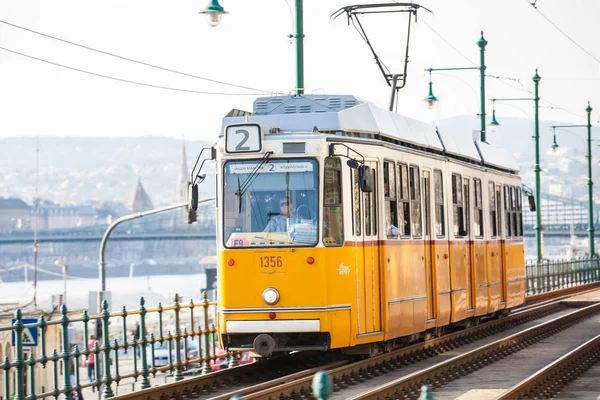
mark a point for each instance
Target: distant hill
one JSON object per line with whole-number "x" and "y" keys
{"x": 82, "y": 170}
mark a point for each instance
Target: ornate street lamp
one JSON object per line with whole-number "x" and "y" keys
{"x": 431, "y": 99}
{"x": 493, "y": 126}
{"x": 213, "y": 11}
{"x": 554, "y": 144}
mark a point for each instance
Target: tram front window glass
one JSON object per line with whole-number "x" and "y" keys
{"x": 333, "y": 218}
{"x": 273, "y": 206}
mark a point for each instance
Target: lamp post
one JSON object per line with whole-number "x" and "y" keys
{"x": 214, "y": 11}
{"x": 538, "y": 190}
{"x": 431, "y": 99}
{"x": 61, "y": 264}
{"x": 590, "y": 182}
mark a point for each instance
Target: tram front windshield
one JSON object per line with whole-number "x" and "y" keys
{"x": 275, "y": 205}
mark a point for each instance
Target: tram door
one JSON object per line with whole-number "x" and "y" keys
{"x": 429, "y": 248}
{"x": 367, "y": 255}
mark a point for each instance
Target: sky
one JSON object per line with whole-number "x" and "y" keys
{"x": 251, "y": 48}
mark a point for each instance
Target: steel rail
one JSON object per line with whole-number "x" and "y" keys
{"x": 204, "y": 384}
{"x": 446, "y": 371}
{"x": 348, "y": 375}
{"x": 279, "y": 381}
{"x": 550, "y": 380}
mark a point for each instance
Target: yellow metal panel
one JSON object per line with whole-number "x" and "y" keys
{"x": 494, "y": 263}
{"x": 460, "y": 280}
{"x": 480, "y": 280}
{"x": 442, "y": 279}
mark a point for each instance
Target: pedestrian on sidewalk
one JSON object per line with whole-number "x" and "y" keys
{"x": 136, "y": 335}
{"x": 91, "y": 358}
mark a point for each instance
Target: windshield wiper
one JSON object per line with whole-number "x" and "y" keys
{"x": 253, "y": 175}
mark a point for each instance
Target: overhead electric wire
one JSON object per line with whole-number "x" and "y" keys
{"x": 126, "y": 80}
{"x": 564, "y": 33}
{"x": 135, "y": 61}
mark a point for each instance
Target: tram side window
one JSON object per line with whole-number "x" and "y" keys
{"x": 478, "y": 209}
{"x": 438, "y": 184}
{"x": 391, "y": 207}
{"x": 520, "y": 211}
{"x": 457, "y": 205}
{"x": 467, "y": 204}
{"x": 374, "y": 202}
{"x": 333, "y": 217}
{"x": 356, "y": 203}
{"x": 367, "y": 208}
{"x": 415, "y": 200}
{"x": 493, "y": 215}
{"x": 507, "y": 219}
{"x": 499, "y": 209}
{"x": 403, "y": 200}
{"x": 513, "y": 211}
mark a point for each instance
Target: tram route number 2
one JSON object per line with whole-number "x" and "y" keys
{"x": 243, "y": 138}
{"x": 271, "y": 262}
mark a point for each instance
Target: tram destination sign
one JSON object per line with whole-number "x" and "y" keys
{"x": 297, "y": 166}
{"x": 243, "y": 138}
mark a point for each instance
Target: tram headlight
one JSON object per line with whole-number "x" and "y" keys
{"x": 270, "y": 296}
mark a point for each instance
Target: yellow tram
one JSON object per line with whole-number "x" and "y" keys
{"x": 342, "y": 225}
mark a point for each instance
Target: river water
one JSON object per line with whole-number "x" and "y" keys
{"x": 124, "y": 291}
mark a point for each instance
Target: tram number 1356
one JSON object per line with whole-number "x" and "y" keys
{"x": 271, "y": 262}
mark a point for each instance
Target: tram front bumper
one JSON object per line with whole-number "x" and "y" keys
{"x": 265, "y": 337}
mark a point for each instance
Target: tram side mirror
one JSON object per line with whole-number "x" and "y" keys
{"x": 531, "y": 199}
{"x": 213, "y": 153}
{"x": 365, "y": 178}
{"x": 192, "y": 206}
{"x": 352, "y": 163}
{"x": 193, "y": 199}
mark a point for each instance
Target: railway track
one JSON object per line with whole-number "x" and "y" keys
{"x": 291, "y": 377}
{"x": 441, "y": 374}
{"x": 551, "y": 380}
{"x": 233, "y": 379}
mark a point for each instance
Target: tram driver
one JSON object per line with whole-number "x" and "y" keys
{"x": 278, "y": 223}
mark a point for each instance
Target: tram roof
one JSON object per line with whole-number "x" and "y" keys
{"x": 346, "y": 113}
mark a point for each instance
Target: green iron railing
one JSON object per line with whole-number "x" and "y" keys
{"x": 191, "y": 325}
{"x": 549, "y": 275}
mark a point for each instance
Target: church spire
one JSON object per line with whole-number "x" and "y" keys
{"x": 140, "y": 200}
